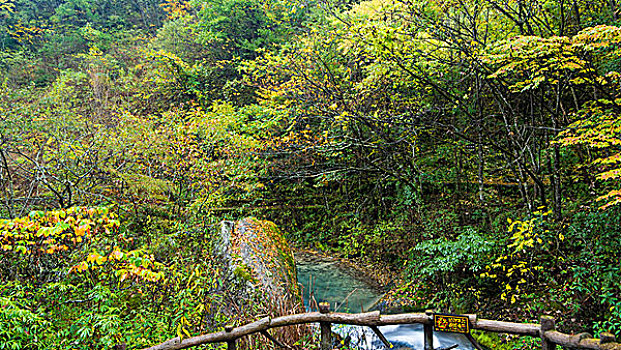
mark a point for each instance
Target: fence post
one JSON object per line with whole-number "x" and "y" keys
{"x": 326, "y": 328}
{"x": 428, "y": 330}
{"x": 230, "y": 344}
{"x": 547, "y": 324}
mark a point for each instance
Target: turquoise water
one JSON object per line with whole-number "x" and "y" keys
{"x": 326, "y": 280}
{"x": 348, "y": 291}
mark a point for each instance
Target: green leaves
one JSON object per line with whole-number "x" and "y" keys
{"x": 20, "y": 328}
{"x": 242, "y": 27}
{"x": 442, "y": 256}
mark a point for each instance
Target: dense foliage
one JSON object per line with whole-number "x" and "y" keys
{"x": 472, "y": 146}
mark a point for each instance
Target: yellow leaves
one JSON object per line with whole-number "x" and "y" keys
{"x": 53, "y": 231}
{"x": 176, "y": 8}
{"x": 7, "y": 6}
{"x": 598, "y": 127}
{"x": 181, "y": 330}
{"x": 515, "y": 269}
{"x": 572, "y": 66}
{"x": 613, "y": 197}
{"x": 123, "y": 265}
{"x": 44, "y": 232}
{"x": 116, "y": 254}
{"x": 92, "y": 257}
{"x": 81, "y": 230}
{"x": 23, "y": 33}
{"x": 598, "y": 37}
{"x": 535, "y": 62}
{"x": 512, "y": 225}
{"x": 542, "y": 213}
{"x": 610, "y": 160}
{"x": 610, "y": 174}
{"x": 96, "y": 258}
{"x": 81, "y": 267}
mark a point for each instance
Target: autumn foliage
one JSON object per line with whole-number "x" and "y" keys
{"x": 471, "y": 146}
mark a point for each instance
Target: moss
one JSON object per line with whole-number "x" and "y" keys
{"x": 262, "y": 247}
{"x": 242, "y": 272}
{"x": 504, "y": 342}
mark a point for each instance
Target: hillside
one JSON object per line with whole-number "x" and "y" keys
{"x": 472, "y": 147}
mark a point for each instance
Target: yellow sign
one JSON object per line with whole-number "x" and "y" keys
{"x": 451, "y": 323}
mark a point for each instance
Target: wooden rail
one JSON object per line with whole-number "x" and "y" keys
{"x": 545, "y": 330}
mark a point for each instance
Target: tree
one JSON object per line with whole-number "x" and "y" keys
{"x": 238, "y": 28}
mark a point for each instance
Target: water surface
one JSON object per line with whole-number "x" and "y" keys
{"x": 325, "y": 280}
{"x": 347, "y": 290}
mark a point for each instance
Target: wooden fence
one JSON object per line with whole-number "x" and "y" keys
{"x": 545, "y": 330}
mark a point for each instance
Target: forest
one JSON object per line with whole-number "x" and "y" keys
{"x": 472, "y": 148}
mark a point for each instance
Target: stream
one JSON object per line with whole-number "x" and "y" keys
{"x": 349, "y": 291}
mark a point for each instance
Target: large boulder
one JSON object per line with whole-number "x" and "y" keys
{"x": 257, "y": 256}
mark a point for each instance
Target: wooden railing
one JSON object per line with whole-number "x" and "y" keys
{"x": 545, "y": 330}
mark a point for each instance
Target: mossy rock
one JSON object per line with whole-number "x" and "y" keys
{"x": 257, "y": 254}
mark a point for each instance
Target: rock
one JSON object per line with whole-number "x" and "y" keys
{"x": 257, "y": 256}
{"x": 261, "y": 277}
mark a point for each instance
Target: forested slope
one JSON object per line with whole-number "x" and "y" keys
{"x": 470, "y": 145}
